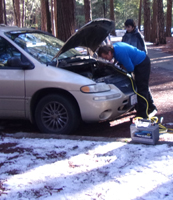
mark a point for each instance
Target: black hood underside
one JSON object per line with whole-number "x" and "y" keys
{"x": 90, "y": 35}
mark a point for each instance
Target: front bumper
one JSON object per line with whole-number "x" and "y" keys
{"x": 97, "y": 107}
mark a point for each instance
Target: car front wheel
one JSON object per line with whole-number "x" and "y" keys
{"x": 57, "y": 114}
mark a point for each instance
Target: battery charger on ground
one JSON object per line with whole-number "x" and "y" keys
{"x": 144, "y": 131}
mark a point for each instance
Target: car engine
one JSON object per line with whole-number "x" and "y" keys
{"x": 98, "y": 71}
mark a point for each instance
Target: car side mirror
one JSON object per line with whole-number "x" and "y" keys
{"x": 26, "y": 65}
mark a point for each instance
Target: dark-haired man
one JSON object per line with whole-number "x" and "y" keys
{"x": 135, "y": 61}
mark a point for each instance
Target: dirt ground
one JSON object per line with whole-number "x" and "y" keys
{"x": 161, "y": 86}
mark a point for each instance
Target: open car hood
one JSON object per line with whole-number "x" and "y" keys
{"x": 90, "y": 35}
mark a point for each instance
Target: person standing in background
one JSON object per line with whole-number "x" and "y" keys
{"x": 133, "y": 36}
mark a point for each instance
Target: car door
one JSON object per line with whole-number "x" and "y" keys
{"x": 12, "y": 87}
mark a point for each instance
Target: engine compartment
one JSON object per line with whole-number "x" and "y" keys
{"x": 98, "y": 71}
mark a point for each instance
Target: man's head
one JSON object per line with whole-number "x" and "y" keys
{"x": 129, "y": 25}
{"x": 106, "y": 52}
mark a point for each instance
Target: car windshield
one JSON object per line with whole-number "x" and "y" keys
{"x": 41, "y": 46}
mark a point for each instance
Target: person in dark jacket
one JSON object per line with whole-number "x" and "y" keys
{"x": 138, "y": 62}
{"x": 133, "y": 36}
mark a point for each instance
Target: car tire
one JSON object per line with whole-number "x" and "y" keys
{"x": 57, "y": 114}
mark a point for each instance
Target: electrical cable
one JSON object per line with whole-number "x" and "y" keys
{"x": 154, "y": 119}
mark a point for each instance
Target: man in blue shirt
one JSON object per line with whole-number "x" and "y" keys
{"x": 136, "y": 61}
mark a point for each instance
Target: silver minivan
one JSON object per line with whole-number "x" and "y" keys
{"x": 55, "y": 86}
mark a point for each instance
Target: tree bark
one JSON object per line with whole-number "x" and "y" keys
{"x": 140, "y": 9}
{"x": 147, "y": 20}
{"x": 45, "y": 16}
{"x": 87, "y": 10}
{"x": 16, "y": 6}
{"x": 160, "y": 20}
{"x": 112, "y": 17}
{"x": 104, "y": 8}
{"x": 154, "y": 23}
{"x": 169, "y": 18}
{"x": 65, "y": 18}
{"x": 23, "y": 13}
{"x": 1, "y": 12}
{"x": 112, "y": 10}
{"x": 5, "y": 16}
{"x": 53, "y": 17}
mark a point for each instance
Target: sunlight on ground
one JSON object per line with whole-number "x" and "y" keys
{"x": 159, "y": 61}
{"x": 92, "y": 160}
{"x": 88, "y": 170}
{"x": 80, "y": 169}
{"x": 165, "y": 57}
{"x": 120, "y": 121}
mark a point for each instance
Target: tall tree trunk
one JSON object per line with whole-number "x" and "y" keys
{"x": 53, "y": 17}
{"x": 169, "y": 18}
{"x": 140, "y": 9}
{"x": 154, "y": 23}
{"x": 16, "y": 6}
{"x": 26, "y": 5}
{"x": 23, "y": 12}
{"x": 160, "y": 19}
{"x": 112, "y": 17}
{"x": 112, "y": 10}
{"x": 48, "y": 17}
{"x": 104, "y": 8}
{"x": 65, "y": 18}
{"x": 147, "y": 20}
{"x": 1, "y": 12}
{"x": 5, "y": 16}
{"x": 45, "y": 16}
{"x": 87, "y": 10}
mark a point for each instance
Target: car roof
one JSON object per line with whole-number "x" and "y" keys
{"x": 5, "y": 28}
{"x": 17, "y": 30}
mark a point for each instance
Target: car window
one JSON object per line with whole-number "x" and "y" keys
{"x": 10, "y": 56}
{"x": 41, "y": 46}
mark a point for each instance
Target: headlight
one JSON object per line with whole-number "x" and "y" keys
{"x": 99, "y": 87}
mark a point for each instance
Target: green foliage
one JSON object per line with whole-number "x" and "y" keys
{"x": 32, "y": 9}
{"x": 9, "y": 12}
{"x": 98, "y": 9}
{"x": 33, "y": 15}
{"x": 123, "y": 9}
{"x": 80, "y": 18}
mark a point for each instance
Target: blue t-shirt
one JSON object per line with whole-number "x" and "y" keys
{"x": 128, "y": 55}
